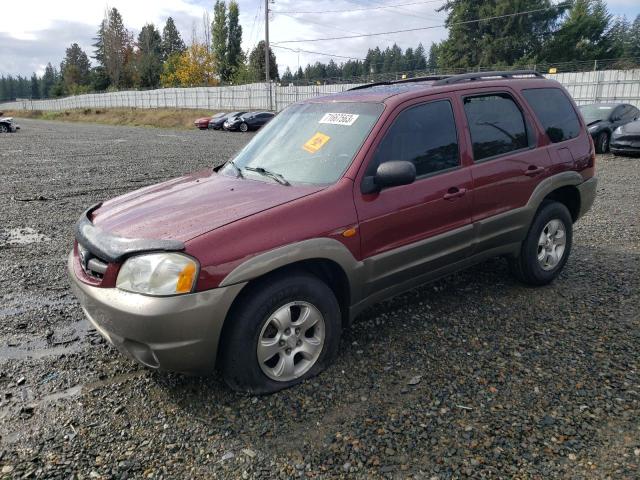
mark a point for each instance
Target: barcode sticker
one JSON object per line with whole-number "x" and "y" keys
{"x": 346, "y": 119}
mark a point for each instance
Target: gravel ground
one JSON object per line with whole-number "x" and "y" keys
{"x": 475, "y": 375}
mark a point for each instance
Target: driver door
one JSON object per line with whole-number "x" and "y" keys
{"x": 412, "y": 232}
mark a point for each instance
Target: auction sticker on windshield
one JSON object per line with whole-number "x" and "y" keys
{"x": 347, "y": 119}
{"x": 316, "y": 142}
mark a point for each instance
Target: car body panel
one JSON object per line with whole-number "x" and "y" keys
{"x": 240, "y": 229}
{"x": 626, "y": 139}
{"x": 180, "y": 209}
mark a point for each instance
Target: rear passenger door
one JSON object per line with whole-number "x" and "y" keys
{"x": 506, "y": 166}
{"x": 413, "y": 230}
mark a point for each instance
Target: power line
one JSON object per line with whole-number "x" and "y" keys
{"x": 359, "y": 9}
{"x": 317, "y": 53}
{"x": 465, "y": 22}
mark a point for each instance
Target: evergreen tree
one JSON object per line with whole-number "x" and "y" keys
{"x": 48, "y": 80}
{"x": 35, "y": 87}
{"x": 420, "y": 60}
{"x": 500, "y": 40}
{"x": 633, "y": 47}
{"x": 257, "y": 66}
{"x": 75, "y": 68}
{"x": 149, "y": 56}
{"x": 584, "y": 34}
{"x": 219, "y": 33}
{"x": 171, "y": 40}
{"x": 287, "y": 77}
{"x": 235, "y": 55}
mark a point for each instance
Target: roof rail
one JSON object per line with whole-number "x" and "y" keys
{"x": 486, "y": 75}
{"x": 430, "y": 78}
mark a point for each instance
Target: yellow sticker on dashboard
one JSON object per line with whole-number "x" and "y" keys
{"x": 316, "y": 142}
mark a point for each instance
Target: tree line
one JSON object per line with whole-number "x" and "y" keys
{"x": 572, "y": 31}
{"x": 153, "y": 59}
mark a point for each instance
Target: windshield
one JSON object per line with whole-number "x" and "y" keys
{"x": 308, "y": 143}
{"x": 593, "y": 113}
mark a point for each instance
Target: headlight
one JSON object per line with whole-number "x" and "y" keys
{"x": 593, "y": 127}
{"x": 618, "y": 130}
{"x": 158, "y": 274}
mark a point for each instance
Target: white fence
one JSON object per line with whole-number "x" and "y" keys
{"x": 242, "y": 97}
{"x": 620, "y": 86}
{"x": 585, "y": 87}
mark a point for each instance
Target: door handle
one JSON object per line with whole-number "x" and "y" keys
{"x": 454, "y": 192}
{"x": 533, "y": 170}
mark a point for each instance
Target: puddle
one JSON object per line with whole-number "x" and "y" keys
{"x": 65, "y": 340}
{"x": 21, "y": 236}
{"x": 16, "y": 304}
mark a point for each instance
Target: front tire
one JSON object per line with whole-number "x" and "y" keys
{"x": 545, "y": 250}
{"x": 602, "y": 142}
{"x": 244, "y": 128}
{"x": 3, "y": 128}
{"x": 285, "y": 329}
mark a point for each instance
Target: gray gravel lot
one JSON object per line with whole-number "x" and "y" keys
{"x": 475, "y": 375}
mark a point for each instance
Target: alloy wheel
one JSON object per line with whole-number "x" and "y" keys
{"x": 551, "y": 244}
{"x": 291, "y": 341}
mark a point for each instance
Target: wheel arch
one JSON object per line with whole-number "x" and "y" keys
{"x": 563, "y": 188}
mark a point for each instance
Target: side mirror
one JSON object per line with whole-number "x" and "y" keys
{"x": 390, "y": 174}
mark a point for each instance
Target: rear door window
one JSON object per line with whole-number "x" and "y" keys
{"x": 555, "y": 113}
{"x": 424, "y": 135}
{"x": 496, "y": 124}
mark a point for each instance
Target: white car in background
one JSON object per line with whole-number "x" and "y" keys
{"x": 7, "y": 125}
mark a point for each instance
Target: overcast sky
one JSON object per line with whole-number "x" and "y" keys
{"x": 34, "y": 32}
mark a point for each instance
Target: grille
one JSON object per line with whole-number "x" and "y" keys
{"x": 92, "y": 265}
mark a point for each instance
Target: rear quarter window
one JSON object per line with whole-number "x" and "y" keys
{"x": 555, "y": 113}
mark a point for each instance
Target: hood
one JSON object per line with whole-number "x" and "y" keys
{"x": 632, "y": 128}
{"x": 186, "y": 207}
{"x": 594, "y": 122}
{"x": 6, "y": 119}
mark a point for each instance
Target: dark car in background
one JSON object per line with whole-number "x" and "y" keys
{"x": 625, "y": 139}
{"x": 249, "y": 121}
{"x": 603, "y": 118}
{"x": 217, "y": 123}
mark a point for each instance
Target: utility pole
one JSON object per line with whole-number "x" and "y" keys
{"x": 266, "y": 50}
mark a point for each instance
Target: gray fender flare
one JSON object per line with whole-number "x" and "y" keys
{"x": 312, "y": 249}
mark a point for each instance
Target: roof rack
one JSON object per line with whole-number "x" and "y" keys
{"x": 486, "y": 75}
{"x": 404, "y": 80}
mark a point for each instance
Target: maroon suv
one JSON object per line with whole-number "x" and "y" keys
{"x": 340, "y": 202}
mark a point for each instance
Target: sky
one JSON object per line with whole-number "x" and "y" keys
{"x": 34, "y": 32}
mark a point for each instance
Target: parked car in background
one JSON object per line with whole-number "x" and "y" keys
{"x": 248, "y": 121}
{"x": 625, "y": 139}
{"x": 603, "y": 118}
{"x": 214, "y": 119}
{"x": 339, "y": 203}
{"x": 202, "y": 123}
{"x": 218, "y": 122}
{"x": 7, "y": 125}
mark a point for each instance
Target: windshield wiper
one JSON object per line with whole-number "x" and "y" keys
{"x": 268, "y": 173}
{"x": 237, "y": 168}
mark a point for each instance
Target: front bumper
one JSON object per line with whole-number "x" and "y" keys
{"x": 622, "y": 146}
{"x": 179, "y": 333}
{"x": 587, "y": 190}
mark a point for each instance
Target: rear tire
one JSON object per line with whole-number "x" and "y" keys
{"x": 545, "y": 250}
{"x": 602, "y": 142}
{"x": 302, "y": 342}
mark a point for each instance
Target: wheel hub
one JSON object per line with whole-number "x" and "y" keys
{"x": 551, "y": 244}
{"x": 291, "y": 341}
